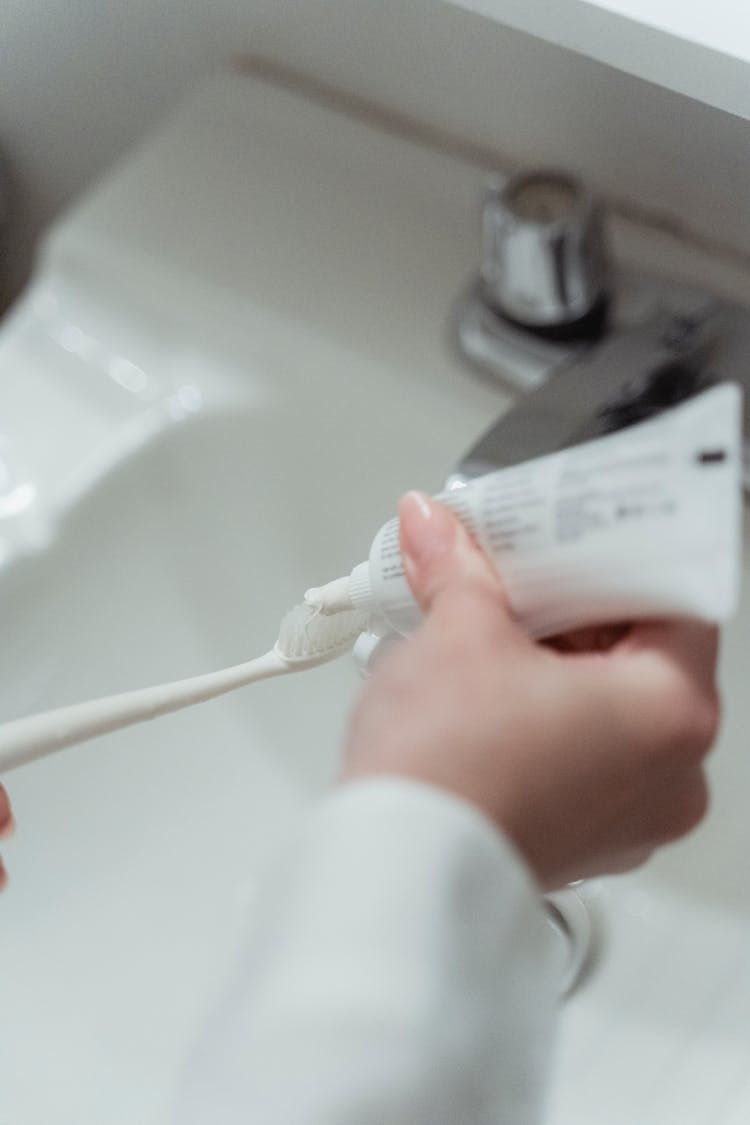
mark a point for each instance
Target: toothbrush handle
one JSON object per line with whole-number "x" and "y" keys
{"x": 24, "y": 740}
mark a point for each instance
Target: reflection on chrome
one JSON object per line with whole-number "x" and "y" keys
{"x": 571, "y": 917}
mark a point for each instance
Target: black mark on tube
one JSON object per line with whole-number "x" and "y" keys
{"x": 711, "y": 456}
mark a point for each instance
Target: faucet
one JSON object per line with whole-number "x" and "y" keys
{"x": 590, "y": 347}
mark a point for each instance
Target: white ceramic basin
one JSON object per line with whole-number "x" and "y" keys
{"x": 137, "y": 855}
{"x": 231, "y": 363}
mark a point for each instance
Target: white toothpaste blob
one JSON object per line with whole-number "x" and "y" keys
{"x": 645, "y": 522}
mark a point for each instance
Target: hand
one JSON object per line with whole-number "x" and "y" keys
{"x": 6, "y": 827}
{"x": 588, "y": 760}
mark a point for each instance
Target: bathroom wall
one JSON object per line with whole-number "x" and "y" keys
{"x": 81, "y": 80}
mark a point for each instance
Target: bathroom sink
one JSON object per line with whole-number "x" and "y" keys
{"x": 230, "y": 363}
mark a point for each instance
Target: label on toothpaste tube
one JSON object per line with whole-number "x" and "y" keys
{"x": 641, "y": 522}
{"x": 390, "y": 552}
{"x": 631, "y": 489}
{"x": 574, "y": 499}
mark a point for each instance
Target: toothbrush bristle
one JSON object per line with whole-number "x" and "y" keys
{"x": 307, "y": 635}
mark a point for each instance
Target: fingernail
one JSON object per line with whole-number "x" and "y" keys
{"x": 8, "y": 829}
{"x": 427, "y": 528}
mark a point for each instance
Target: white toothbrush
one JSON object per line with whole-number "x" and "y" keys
{"x": 306, "y": 639}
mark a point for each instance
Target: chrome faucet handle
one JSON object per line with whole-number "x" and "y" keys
{"x": 544, "y": 264}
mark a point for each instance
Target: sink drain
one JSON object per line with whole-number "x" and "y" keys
{"x": 570, "y": 918}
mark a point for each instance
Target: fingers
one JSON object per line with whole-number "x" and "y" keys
{"x": 6, "y": 815}
{"x": 617, "y": 863}
{"x": 438, "y": 555}
{"x": 6, "y": 827}
{"x": 691, "y": 645}
{"x": 689, "y": 799}
{"x": 664, "y": 686}
{"x": 593, "y": 638}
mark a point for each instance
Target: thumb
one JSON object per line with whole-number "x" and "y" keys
{"x": 438, "y": 554}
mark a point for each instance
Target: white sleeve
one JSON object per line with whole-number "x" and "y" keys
{"x": 399, "y": 972}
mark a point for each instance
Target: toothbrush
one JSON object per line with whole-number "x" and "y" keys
{"x": 306, "y": 639}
